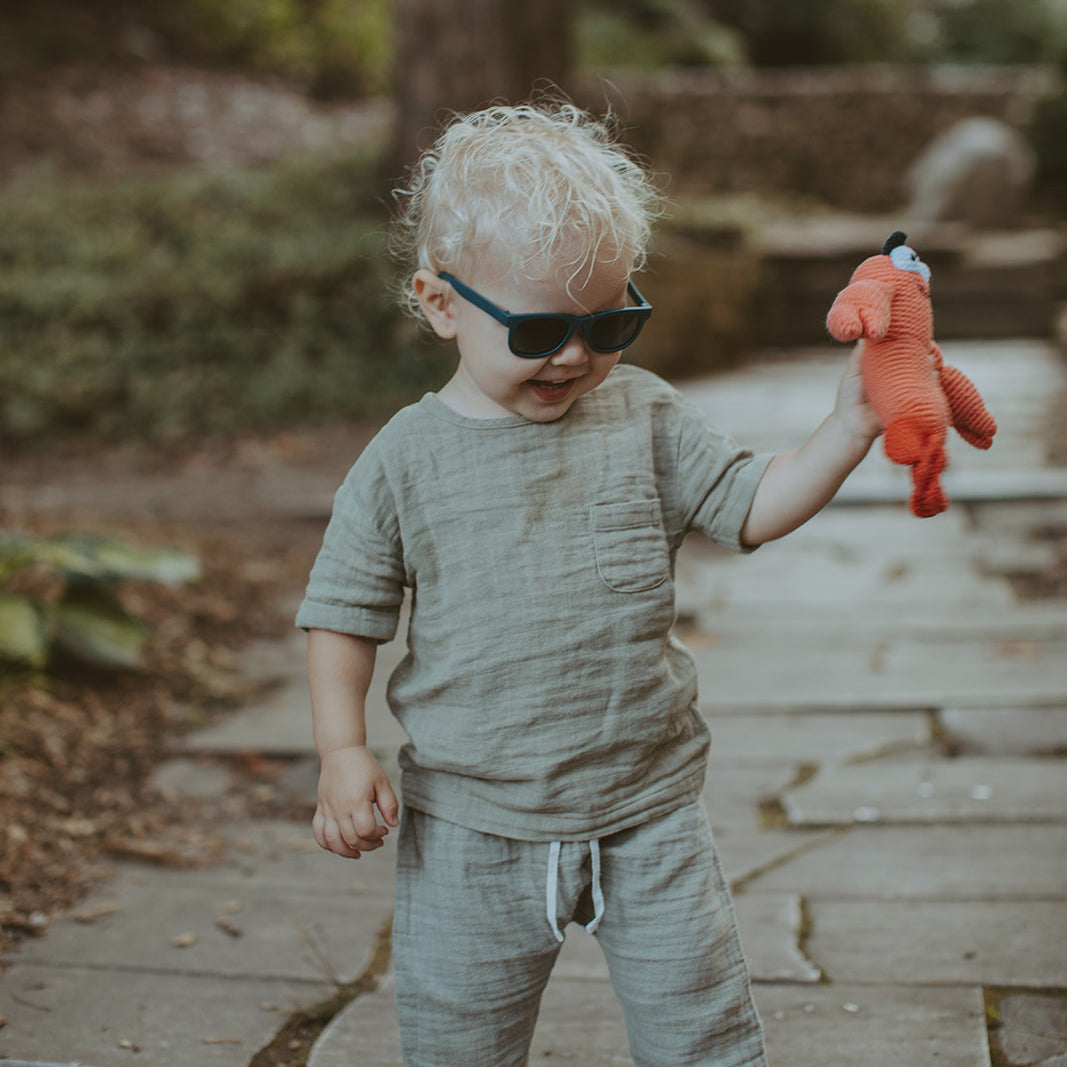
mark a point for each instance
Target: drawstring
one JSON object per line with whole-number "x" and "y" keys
{"x": 598, "y": 892}
{"x": 552, "y": 888}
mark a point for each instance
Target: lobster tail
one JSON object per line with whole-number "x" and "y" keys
{"x": 916, "y": 443}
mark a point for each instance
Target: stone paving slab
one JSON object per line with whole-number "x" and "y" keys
{"x": 994, "y": 486}
{"x": 770, "y": 925}
{"x": 945, "y": 622}
{"x": 1018, "y": 520}
{"x": 746, "y": 852}
{"x": 979, "y": 789}
{"x": 860, "y": 560}
{"x": 1033, "y": 1028}
{"x": 790, "y": 738}
{"x": 940, "y": 942}
{"x": 733, "y": 795}
{"x": 806, "y": 1026}
{"x": 81, "y": 1014}
{"x": 880, "y": 1025}
{"x": 279, "y": 856}
{"x": 806, "y": 671}
{"x": 183, "y": 929}
{"x": 280, "y": 723}
{"x": 366, "y": 1027}
{"x": 580, "y": 1023}
{"x": 299, "y": 920}
{"x": 1007, "y": 731}
{"x": 1009, "y": 863}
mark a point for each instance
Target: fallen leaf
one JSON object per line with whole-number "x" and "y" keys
{"x": 1019, "y": 651}
{"x": 130, "y": 1046}
{"x": 228, "y": 926}
{"x": 258, "y": 765}
{"x": 79, "y": 827}
{"x": 94, "y": 913}
{"x": 220, "y": 1041}
{"x": 186, "y": 940}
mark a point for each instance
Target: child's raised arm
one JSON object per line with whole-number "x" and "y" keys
{"x": 351, "y": 782}
{"x": 797, "y": 485}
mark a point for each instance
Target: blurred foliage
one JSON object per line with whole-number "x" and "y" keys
{"x": 649, "y": 34}
{"x": 991, "y": 31}
{"x": 57, "y": 598}
{"x": 812, "y": 32}
{"x": 327, "y": 47}
{"x": 345, "y": 47}
{"x": 154, "y": 309}
{"x": 1047, "y": 133}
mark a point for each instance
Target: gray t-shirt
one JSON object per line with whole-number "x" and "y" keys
{"x": 543, "y": 694}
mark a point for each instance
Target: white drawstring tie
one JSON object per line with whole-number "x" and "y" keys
{"x": 552, "y": 888}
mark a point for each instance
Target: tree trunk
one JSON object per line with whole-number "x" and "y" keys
{"x": 458, "y": 55}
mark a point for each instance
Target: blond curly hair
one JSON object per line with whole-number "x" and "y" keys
{"x": 539, "y": 189}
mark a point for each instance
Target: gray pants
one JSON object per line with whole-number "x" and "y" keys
{"x": 474, "y": 943}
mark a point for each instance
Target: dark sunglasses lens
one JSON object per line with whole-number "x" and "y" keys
{"x": 538, "y": 337}
{"x": 614, "y": 331}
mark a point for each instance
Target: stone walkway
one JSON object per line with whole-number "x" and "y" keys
{"x": 887, "y": 785}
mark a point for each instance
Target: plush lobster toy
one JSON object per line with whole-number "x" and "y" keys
{"x": 916, "y": 395}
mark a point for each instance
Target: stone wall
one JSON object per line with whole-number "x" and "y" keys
{"x": 842, "y": 136}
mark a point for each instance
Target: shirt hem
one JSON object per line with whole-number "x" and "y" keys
{"x": 524, "y": 826}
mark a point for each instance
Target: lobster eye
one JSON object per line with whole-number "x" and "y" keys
{"x": 905, "y": 258}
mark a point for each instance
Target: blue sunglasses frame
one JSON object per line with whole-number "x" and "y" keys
{"x": 585, "y": 323}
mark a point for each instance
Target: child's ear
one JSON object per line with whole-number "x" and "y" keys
{"x": 435, "y": 298}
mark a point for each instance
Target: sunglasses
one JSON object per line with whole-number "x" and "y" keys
{"x": 538, "y": 335}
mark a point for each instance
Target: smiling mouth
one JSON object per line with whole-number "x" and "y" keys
{"x": 552, "y": 390}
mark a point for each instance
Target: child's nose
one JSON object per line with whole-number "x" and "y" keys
{"x": 574, "y": 351}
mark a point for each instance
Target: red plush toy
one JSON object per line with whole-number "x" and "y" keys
{"x": 917, "y": 397}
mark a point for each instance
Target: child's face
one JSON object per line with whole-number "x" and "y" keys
{"x": 491, "y": 381}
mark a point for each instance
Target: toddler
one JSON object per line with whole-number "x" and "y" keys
{"x": 532, "y": 509}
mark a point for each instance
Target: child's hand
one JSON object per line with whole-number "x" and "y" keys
{"x": 853, "y": 410}
{"x": 351, "y": 783}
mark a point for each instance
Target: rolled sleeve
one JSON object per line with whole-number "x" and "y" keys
{"x": 357, "y": 583}
{"x": 717, "y": 480}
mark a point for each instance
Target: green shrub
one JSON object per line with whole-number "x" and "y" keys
{"x": 156, "y": 309}
{"x": 1047, "y": 132}
{"x": 326, "y": 46}
{"x": 56, "y": 597}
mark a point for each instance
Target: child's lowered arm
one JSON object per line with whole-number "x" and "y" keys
{"x": 351, "y": 782}
{"x": 797, "y": 485}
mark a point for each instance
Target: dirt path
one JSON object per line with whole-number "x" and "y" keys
{"x": 77, "y": 749}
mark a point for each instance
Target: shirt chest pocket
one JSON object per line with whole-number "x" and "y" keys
{"x": 630, "y": 545}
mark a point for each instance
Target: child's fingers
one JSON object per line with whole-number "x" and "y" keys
{"x": 855, "y": 356}
{"x": 387, "y": 803}
{"x": 328, "y": 836}
{"x": 361, "y": 830}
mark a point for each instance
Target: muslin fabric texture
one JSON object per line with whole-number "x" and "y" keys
{"x": 473, "y": 950}
{"x": 543, "y": 694}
